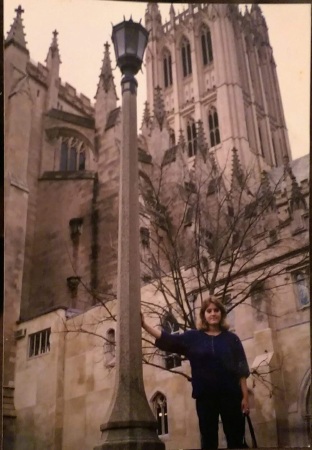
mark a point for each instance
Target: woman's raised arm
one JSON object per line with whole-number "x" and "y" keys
{"x": 152, "y": 331}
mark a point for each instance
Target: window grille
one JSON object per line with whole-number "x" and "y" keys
{"x": 186, "y": 57}
{"x": 160, "y": 411}
{"x": 39, "y": 343}
{"x": 206, "y": 46}
{"x": 214, "y": 132}
{"x": 73, "y": 154}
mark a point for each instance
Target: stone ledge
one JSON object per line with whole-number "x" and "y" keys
{"x": 68, "y": 175}
{"x": 83, "y": 121}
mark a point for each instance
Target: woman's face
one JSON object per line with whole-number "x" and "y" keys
{"x": 213, "y": 314}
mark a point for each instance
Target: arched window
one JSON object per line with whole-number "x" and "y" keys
{"x": 170, "y": 325}
{"x": 73, "y": 154}
{"x": 186, "y": 57}
{"x": 191, "y": 138}
{"x": 167, "y": 66}
{"x": 110, "y": 348}
{"x": 160, "y": 410}
{"x": 301, "y": 280}
{"x": 214, "y": 132}
{"x": 206, "y": 45}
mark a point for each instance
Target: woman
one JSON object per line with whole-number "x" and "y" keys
{"x": 219, "y": 372}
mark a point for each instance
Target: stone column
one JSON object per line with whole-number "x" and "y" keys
{"x": 131, "y": 424}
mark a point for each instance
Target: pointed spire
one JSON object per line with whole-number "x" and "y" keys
{"x": 53, "y": 53}
{"x": 287, "y": 168}
{"x": 53, "y": 61}
{"x": 234, "y": 10}
{"x": 201, "y": 140}
{"x": 237, "y": 171}
{"x": 266, "y": 196}
{"x": 159, "y": 107}
{"x": 16, "y": 33}
{"x": 54, "y": 45}
{"x": 153, "y": 9}
{"x": 257, "y": 16}
{"x": 181, "y": 141}
{"x": 146, "y": 115}
{"x": 255, "y": 8}
{"x": 172, "y": 12}
{"x": 172, "y": 15}
{"x": 153, "y": 20}
{"x": 265, "y": 186}
{"x": 213, "y": 162}
{"x": 297, "y": 200}
{"x": 106, "y": 75}
{"x": 256, "y": 13}
{"x": 106, "y": 96}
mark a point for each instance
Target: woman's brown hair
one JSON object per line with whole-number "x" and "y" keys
{"x": 202, "y": 324}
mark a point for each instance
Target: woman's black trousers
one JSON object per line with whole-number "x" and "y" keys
{"x": 209, "y": 407}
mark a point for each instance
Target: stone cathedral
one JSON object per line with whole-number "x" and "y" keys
{"x": 213, "y": 106}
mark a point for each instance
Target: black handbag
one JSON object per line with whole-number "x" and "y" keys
{"x": 252, "y": 433}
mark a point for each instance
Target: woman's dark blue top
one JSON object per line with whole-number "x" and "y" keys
{"x": 217, "y": 362}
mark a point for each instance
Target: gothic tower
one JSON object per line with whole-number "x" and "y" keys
{"x": 19, "y": 108}
{"x": 215, "y": 64}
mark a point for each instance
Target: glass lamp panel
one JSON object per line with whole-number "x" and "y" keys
{"x": 131, "y": 40}
{"x": 119, "y": 42}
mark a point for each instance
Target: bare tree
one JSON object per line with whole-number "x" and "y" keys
{"x": 202, "y": 231}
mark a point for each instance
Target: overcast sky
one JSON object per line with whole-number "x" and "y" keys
{"x": 85, "y": 25}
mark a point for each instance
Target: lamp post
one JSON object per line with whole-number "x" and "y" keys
{"x": 131, "y": 424}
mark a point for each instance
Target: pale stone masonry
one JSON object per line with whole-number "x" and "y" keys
{"x": 213, "y": 108}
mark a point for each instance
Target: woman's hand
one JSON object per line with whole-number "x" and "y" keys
{"x": 245, "y": 406}
{"x": 245, "y": 403}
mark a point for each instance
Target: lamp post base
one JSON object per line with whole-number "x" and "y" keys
{"x": 130, "y": 438}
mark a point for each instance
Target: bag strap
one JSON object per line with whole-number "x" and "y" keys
{"x": 252, "y": 432}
